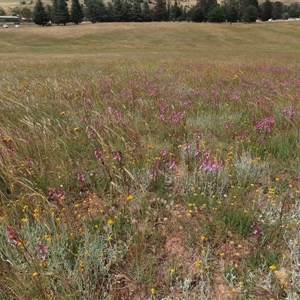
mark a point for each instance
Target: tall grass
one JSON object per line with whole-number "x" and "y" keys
{"x": 150, "y": 177}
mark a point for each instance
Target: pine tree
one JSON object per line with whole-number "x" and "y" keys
{"x": 39, "y": 13}
{"x": 176, "y": 11}
{"x": 91, "y": 11}
{"x": 118, "y": 11}
{"x": 76, "y": 12}
{"x": 137, "y": 11}
{"x": 61, "y": 12}
{"x": 160, "y": 11}
{"x": 146, "y": 12}
{"x": 110, "y": 12}
{"x": 127, "y": 12}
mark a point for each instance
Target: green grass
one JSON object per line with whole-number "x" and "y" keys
{"x": 150, "y": 161}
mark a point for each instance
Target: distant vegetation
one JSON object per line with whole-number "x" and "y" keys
{"x": 143, "y": 11}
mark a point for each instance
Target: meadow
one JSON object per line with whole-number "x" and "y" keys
{"x": 150, "y": 161}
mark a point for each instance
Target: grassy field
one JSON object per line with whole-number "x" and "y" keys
{"x": 150, "y": 161}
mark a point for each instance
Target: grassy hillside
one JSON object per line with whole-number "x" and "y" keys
{"x": 182, "y": 38}
{"x": 150, "y": 161}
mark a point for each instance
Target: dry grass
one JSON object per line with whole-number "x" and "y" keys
{"x": 187, "y": 39}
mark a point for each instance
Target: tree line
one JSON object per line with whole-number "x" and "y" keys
{"x": 97, "y": 11}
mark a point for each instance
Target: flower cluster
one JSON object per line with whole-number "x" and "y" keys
{"x": 266, "y": 124}
{"x": 256, "y": 229}
{"x": 57, "y": 194}
{"x": 290, "y": 112}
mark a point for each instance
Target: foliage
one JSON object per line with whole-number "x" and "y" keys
{"x": 216, "y": 15}
{"x": 266, "y": 10}
{"x": 196, "y": 15}
{"x": 160, "y": 11}
{"x": 39, "y": 13}
{"x": 2, "y": 11}
{"x": 26, "y": 13}
{"x": 96, "y": 11}
{"x": 76, "y": 12}
{"x": 146, "y": 12}
{"x": 277, "y": 10}
{"x": 60, "y": 12}
{"x": 250, "y": 14}
{"x": 137, "y": 11}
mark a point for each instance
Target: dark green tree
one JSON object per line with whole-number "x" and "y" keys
{"x": 196, "y": 14}
{"x": 176, "y": 11}
{"x": 137, "y": 11}
{"x": 39, "y": 13}
{"x": 231, "y": 13}
{"x": 96, "y": 11}
{"x": 160, "y": 11}
{"x": 49, "y": 12}
{"x": 91, "y": 12}
{"x": 206, "y": 6}
{"x": 250, "y": 14}
{"x": 118, "y": 11}
{"x": 277, "y": 10}
{"x": 266, "y": 10}
{"x": 110, "y": 12}
{"x": 216, "y": 15}
{"x": 294, "y": 10}
{"x": 146, "y": 12}
{"x": 76, "y": 12}
{"x": 241, "y": 6}
{"x": 61, "y": 13}
{"x": 2, "y": 11}
{"x": 127, "y": 12}
{"x": 26, "y": 13}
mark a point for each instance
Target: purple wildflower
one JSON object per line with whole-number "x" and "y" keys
{"x": 57, "y": 194}
{"x": 163, "y": 152}
{"x": 99, "y": 155}
{"x": 117, "y": 157}
{"x": 12, "y": 235}
{"x": 266, "y": 124}
{"x": 42, "y": 248}
{"x": 256, "y": 228}
{"x": 172, "y": 164}
{"x": 80, "y": 177}
{"x": 290, "y": 112}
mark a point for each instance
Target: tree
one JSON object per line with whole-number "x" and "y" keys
{"x": 242, "y": 5}
{"x": 49, "y": 12}
{"x": 2, "y": 11}
{"x": 196, "y": 14}
{"x": 176, "y": 11}
{"x": 294, "y": 10}
{"x": 26, "y": 13}
{"x": 118, "y": 11}
{"x": 146, "y": 12}
{"x": 96, "y": 11}
{"x": 266, "y": 10}
{"x": 76, "y": 12}
{"x": 137, "y": 11}
{"x": 231, "y": 13}
{"x": 216, "y": 15}
{"x": 127, "y": 12}
{"x": 250, "y": 14}
{"x": 206, "y": 6}
{"x": 110, "y": 12}
{"x": 160, "y": 11}
{"x": 277, "y": 10}
{"x": 61, "y": 12}
{"x": 91, "y": 11}
{"x": 39, "y": 13}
